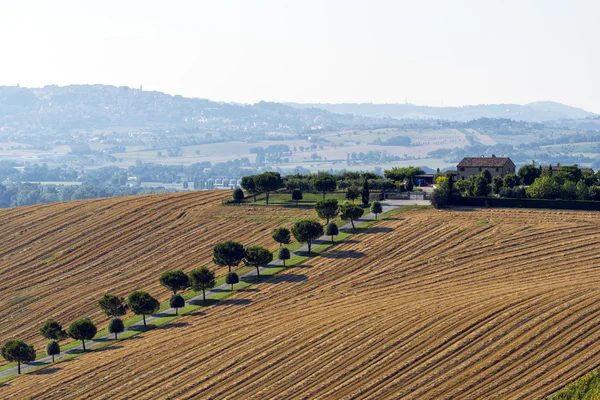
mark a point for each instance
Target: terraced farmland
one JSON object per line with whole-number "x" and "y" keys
{"x": 426, "y": 305}
{"x": 57, "y": 260}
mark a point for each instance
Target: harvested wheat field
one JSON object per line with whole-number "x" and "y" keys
{"x": 494, "y": 304}
{"x": 57, "y": 260}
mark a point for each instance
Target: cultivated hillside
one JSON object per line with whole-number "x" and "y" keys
{"x": 498, "y": 304}
{"x": 57, "y": 260}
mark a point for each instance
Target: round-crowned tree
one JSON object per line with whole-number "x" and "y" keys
{"x": 351, "y": 212}
{"x": 257, "y": 256}
{"x": 228, "y": 253}
{"x": 175, "y": 280}
{"x": 53, "y": 349}
{"x": 202, "y": 279}
{"x": 324, "y": 183}
{"x": 82, "y": 329}
{"x": 116, "y": 326}
{"x": 113, "y": 306}
{"x": 331, "y": 230}
{"x": 283, "y": 254}
{"x": 327, "y": 209}
{"x": 306, "y": 231}
{"x": 231, "y": 279}
{"x": 282, "y": 236}
{"x": 238, "y": 195}
{"x": 376, "y": 208}
{"x": 142, "y": 303}
{"x": 352, "y": 193}
{"x": 177, "y": 302}
{"x": 296, "y": 195}
{"x": 268, "y": 182}
{"x": 19, "y": 352}
{"x": 52, "y": 330}
{"x": 249, "y": 185}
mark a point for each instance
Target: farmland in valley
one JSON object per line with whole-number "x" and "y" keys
{"x": 58, "y": 259}
{"x": 424, "y": 305}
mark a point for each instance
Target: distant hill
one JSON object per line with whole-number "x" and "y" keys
{"x": 533, "y": 112}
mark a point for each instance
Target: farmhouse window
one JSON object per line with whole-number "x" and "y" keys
{"x": 497, "y": 169}
{"x": 462, "y": 168}
{"x": 479, "y": 169}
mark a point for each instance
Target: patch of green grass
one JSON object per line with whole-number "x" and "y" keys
{"x": 585, "y": 388}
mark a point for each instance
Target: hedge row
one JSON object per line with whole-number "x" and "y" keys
{"x": 524, "y": 203}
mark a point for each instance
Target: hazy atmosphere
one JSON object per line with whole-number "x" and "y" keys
{"x": 425, "y": 52}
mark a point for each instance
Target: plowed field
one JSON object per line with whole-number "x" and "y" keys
{"x": 494, "y": 304}
{"x": 57, "y": 260}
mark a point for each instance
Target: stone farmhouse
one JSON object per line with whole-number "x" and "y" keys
{"x": 469, "y": 166}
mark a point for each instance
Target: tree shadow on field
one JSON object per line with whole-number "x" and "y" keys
{"x": 233, "y": 302}
{"x": 394, "y": 219}
{"x": 105, "y": 348}
{"x": 377, "y": 229}
{"x": 303, "y": 265}
{"x": 173, "y": 325}
{"x": 281, "y": 278}
{"x": 306, "y": 253}
{"x": 343, "y": 254}
{"x": 463, "y": 209}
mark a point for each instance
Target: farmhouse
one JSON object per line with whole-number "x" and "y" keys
{"x": 498, "y": 166}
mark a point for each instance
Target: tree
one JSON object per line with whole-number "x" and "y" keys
{"x": 52, "y": 330}
{"x": 331, "y": 230}
{"x": 231, "y": 279}
{"x": 351, "y": 212}
{"x": 113, "y": 306}
{"x": 376, "y": 208}
{"x": 544, "y": 187}
{"x": 283, "y": 254}
{"x": 327, "y": 209}
{"x": 441, "y": 195}
{"x": 52, "y": 349}
{"x": 365, "y": 192}
{"x": 352, "y": 193}
{"x": 487, "y": 175}
{"x": 176, "y": 301}
{"x": 510, "y": 180}
{"x": 306, "y": 231}
{"x": 238, "y": 195}
{"x": 324, "y": 183}
{"x": 582, "y": 191}
{"x": 268, "y": 182}
{"x": 481, "y": 188}
{"x": 465, "y": 187}
{"x": 202, "y": 279}
{"x": 142, "y": 303}
{"x": 19, "y": 352}
{"x": 399, "y": 174}
{"x": 497, "y": 184}
{"x": 257, "y": 256}
{"x": 296, "y": 195}
{"x": 228, "y": 253}
{"x": 174, "y": 280}
{"x": 282, "y": 236}
{"x": 83, "y": 329}
{"x": 529, "y": 173}
{"x": 116, "y": 326}
{"x": 249, "y": 185}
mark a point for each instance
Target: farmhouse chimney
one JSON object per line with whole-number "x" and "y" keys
{"x": 558, "y": 164}
{"x": 493, "y": 156}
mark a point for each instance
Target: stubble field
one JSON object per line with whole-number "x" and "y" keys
{"x": 425, "y": 305}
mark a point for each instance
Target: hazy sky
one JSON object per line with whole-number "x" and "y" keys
{"x": 453, "y": 52}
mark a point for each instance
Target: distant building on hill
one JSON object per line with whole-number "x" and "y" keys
{"x": 554, "y": 168}
{"x": 498, "y": 166}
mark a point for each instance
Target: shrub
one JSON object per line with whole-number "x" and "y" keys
{"x": 331, "y": 230}
{"x": 376, "y": 208}
{"x": 231, "y": 279}
{"x": 238, "y": 195}
{"x": 296, "y": 195}
{"x": 116, "y": 326}
{"x": 283, "y": 254}
{"x": 176, "y": 302}
{"x": 53, "y": 349}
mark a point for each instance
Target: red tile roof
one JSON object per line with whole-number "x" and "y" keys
{"x": 486, "y": 162}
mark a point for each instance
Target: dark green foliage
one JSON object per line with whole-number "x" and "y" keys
{"x": 249, "y": 185}
{"x": 324, "y": 183}
{"x": 306, "y": 231}
{"x": 481, "y": 188}
{"x": 19, "y": 352}
{"x": 228, "y": 253}
{"x": 116, "y": 326}
{"x": 513, "y": 193}
{"x": 142, "y": 303}
{"x": 568, "y": 173}
{"x": 352, "y": 193}
{"x": 497, "y": 184}
{"x": 331, "y": 230}
{"x": 327, "y": 209}
{"x": 441, "y": 195}
{"x": 487, "y": 175}
{"x": 399, "y": 174}
{"x": 352, "y": 212}
{"x": 231, "y": 279}
{"x": 82, "y": 329}
{"x": 53, "y": 349}
{"x": 525, "y": 203}
{"x": 176, "y": 302}
{"x": 268, "y": 182}
{"x": 376, "y": 208}
{"x": 365, "y": 192}
{"x": 238, "y": 195}
{"x": 174, "y": 280}
{"x": 113, "y": 306}
{"x": 529, "y": 173}
{"x": 257, "y": 256}
{"x": 282, "y": 236}
{"x": 544, "y": 187}
{"x": 202, "y": 279}
{"x": 283, "y": 254}
{"x": 510, "y": 180}
{"x": 296, "y": 195}
{"x": 52, "y": 330}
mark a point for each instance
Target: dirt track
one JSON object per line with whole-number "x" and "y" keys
{"x": 57, "y": 260}
{"x": 429, "y": 305}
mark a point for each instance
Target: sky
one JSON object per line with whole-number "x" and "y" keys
{"x": 430, "y": 52}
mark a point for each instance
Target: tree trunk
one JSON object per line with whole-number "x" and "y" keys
{"x": 284, "y": 262}
{"x": 144, "y": 317}
{"x": 232, "y": 287}
{"x": 116, "y": 335}
{"x": 52, "y": 357}
{"x": 323, "y": 195}
{"x": 175, "y": 310}
{"x": 352, "y": 222}
{"x": 267, "y": 197}
{"x": 254, "y": 195}
{"x": 83, "y": 344}
{"x": 327, "y": 223}
{"x": 18, "y": 366}
{"x": 375, "y": 215}
{"x": 258, "y": 272}
{"x": 308, "y": 243}
{"x": 331, "y": 238}
{"x": 203, "y": 296}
